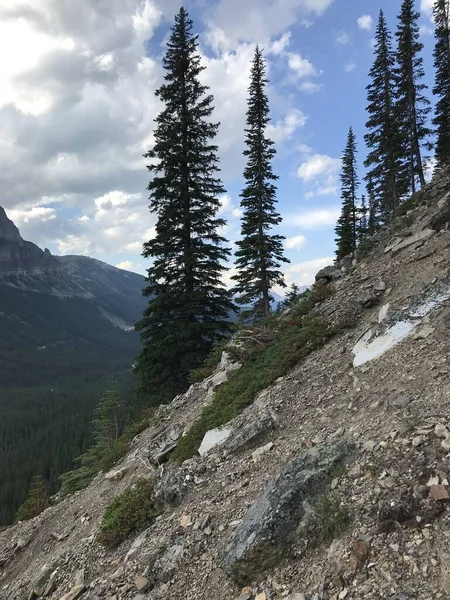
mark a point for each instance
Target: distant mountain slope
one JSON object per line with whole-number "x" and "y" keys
{"x": 66, "y": 328}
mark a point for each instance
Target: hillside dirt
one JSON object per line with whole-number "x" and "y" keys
{"x": 394, "y": 409}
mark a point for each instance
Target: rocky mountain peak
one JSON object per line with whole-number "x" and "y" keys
{"x": 17, "y": 256}
{"x": 8, "y": 231}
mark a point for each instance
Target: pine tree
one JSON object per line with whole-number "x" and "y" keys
{"x": 188, "y": 304}
{"x": 346, "y": 228}
{"x": 362, "y": 228}
{"x": 259, "y": 253}
{"x": 38, "y": 499}
{"x": 412, "y": 106}
{"x": 385, "y": 177}
{"x": 441, "y": 89}
{"x": 107, "y": 426}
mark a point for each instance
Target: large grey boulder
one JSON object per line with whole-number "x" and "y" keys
{"x": 269, "y": 528}
{"x": 328, "y": 274}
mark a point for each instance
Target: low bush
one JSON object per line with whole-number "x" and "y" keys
{"x": 132, "y": 511}
{"x": 330, "y": 519}
{"x": 291, "y": 340}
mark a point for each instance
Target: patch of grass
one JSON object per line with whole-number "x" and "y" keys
{"x": 132, "y": 511}
{"x": 330, "y": 519}
{"x": 293, "y": 339}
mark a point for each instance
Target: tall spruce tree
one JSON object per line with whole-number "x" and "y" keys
{"x": 362, "y": 228}
{"x": 346, "y": 228}
{"x": 37, "y": 500}
{"x": 412, "y": 106}
{"x": 260, "y": 253}
{"x": 188, "y": 304}
{"x": 385, "y": 177}
{"x": 441, "y": 88}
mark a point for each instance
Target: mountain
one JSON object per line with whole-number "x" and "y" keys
{"x": 318, "y": 467}
{"x": 67, "y": 328}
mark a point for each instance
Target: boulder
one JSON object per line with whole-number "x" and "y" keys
{"x": 164, "y": 444}
{"x": 269, "y": 528}
{"x": 251, "y": 427}
{"x": 170, "y": 489}
{"x": 213, "y": 438}
{"x": 367, "y": 298}
{"x": 330, "y": 273}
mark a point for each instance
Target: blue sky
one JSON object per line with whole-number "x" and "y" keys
{"x": 76, "y": 113}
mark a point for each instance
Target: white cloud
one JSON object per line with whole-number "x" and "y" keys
{"x": 303, "y": 273}
{"x": 342, "y": 38}
{"x": 301, "y": 66}
{"x": 279, "y": 46}
{"x": 318, "y": 165}
{"x": 128, "y": 265}
{"x": 315, "y": 219}
{"x": 365, "y": 22}
{"x": 295, "y": 243}
{"x": 228, "y": 208}
{"x": 349, "y": 67}
{"x": 426, "y": 6}
{"x": 285, "y": 129}
{"x": 260, "y": 20}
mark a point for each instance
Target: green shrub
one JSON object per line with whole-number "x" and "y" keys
{"x": 330, "y": 519}
{"x": 132, "y": 511}
{"x": 292, "y": 341}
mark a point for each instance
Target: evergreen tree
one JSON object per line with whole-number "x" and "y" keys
{"x": 442, "y": 82}
{"x": 412, "y": 106}
{"x": 107, "y": 426}
{"x": 385, "y": 177}
{"x": 259, "y": 253}
{"x": 188, "y": 305}
{"x": 362, "y": 229}
{"x": 38, "y": 499}
{"x": 346, "y": 228}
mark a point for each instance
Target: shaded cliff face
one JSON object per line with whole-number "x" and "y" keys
{"x": 19, "y": 256}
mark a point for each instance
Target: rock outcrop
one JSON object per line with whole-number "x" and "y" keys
{"x": 270, "y": 525}
{"x": 18, "y": 256}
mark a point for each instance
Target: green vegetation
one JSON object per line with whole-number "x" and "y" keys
{"x": 260, "y": 252}
{"x": 57, "y": 357}
{"x": 189, "y": 305}
{"x": 130, "y": 512}
{"x": 329, "y": 520}
{"x": 111, "y": 441}
{"x": 38, "y": 499}
{"x": 270, "y": 350}
{"x": 441, "y": 90}
{"x": 347, "y": 225}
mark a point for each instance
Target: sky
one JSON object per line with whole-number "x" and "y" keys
{"x": 77, "y": 103}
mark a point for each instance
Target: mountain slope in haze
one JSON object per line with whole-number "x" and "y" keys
{"x": 67, "y": 328}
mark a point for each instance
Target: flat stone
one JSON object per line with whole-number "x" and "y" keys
{"x": 269, "y": 528}
{"x": 400, "y": 244}
{"x": 439, "y": 492}
{"x": 402, "y": 402}
{"x": 142, "y": 583}
{"x": 441, "y": 431}
{"x": 213, "y": 438}
{"x": 116, "y": 475}
{"x": 74, "y": 593}
{"x": 259, "y": 452}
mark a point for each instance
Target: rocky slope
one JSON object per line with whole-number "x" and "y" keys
{"x": 362, "y": 422}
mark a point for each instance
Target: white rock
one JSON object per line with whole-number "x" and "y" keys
{"x": 259, "y": 452}
{"x": 383, "y": 313}
{"x": 213, "y": 438}
{"x": 441, "y": 431}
